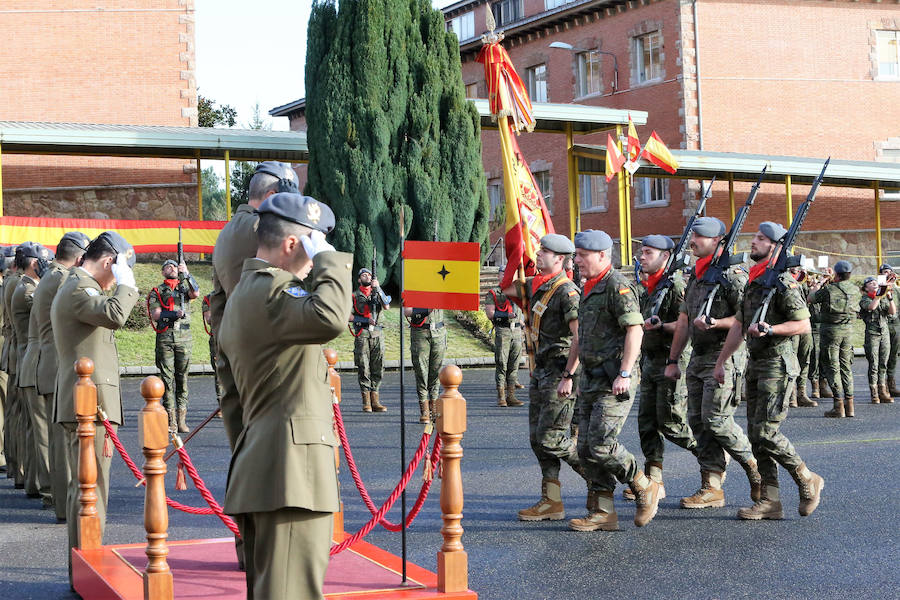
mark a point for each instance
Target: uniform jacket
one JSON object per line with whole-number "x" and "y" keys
{"x": 728, "y": 300}
{"x": 365, "y": 307}
{"x": 84, "y": 321}
{"x": 656, "y": 342}
{"x": 555, "y": 337}
{"x": 8, "y": 361}
{"x": 23, "y": 300}
{"x": 512, "y": 316}
{"x": 272, "y": 333}
{"x": 877, "y": 321}
{"x": 838, "y": 301}
{"x": 787, "y": 304}
{"x": 47, "y": 366}
{"x": 168, "y": 296}
{"x": 236, "y": 243}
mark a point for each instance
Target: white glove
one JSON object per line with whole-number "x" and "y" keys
{"x": 315, "y": 243}
{"x": 122, "y": 272}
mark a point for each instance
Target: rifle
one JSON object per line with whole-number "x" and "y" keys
{"x": 383, "y": 298}
{"x": 781, "y": 261}
{"x": 181, "y": 277}
{"x": 722, "y": 257}
{"x": 678, "y": 258}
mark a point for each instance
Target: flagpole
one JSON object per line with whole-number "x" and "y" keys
{"x": 402, "y": 404}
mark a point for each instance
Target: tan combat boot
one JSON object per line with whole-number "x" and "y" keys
{"x": 824, "y": 390}
{"x": 424, "y": 413}
{"x": 767, "y": 507}
{"x": 654, "y": 471}
{"x": 848, "y": 407}
{"x": 173, "y": 420}
{"x": 376, "y": 405}
{"x": 549, "y": 507}
{"x": 182, "y": 421}
{"x": 511, "y": 399}
{"x": 802, "y": 399}
{"x": 367, "y": 401}
{"x": 601, "y": 514}
{"x": 811, "y": 486}
{"x": 754, "y": 478}
{"x": 710, "y": 494}
{"x": 793, "y": 401}
{"x": 884, "y": 394}
{"x": 815, "y": 388}
{"x": 874, "y": 395}
{"x": 892, "y": 386}
{"x": 501, "y": 396}
{"x": 646, "y": 499}
{"x": 837, "y": 412}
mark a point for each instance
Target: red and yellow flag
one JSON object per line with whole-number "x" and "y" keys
{"x": 633, "y": 142}
{"x": 441, "y": 275}
{"x": 507, "y": 94}
{"x": 614, "y": 158}
{"x": 145, "y": 236}
{"x": 658, "y": 153}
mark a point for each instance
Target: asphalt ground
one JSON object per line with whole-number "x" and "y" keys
{"x": 849, "y": 548}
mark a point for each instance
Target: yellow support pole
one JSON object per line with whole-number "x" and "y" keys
{"x": 227, "y": 187}
{"x": 1, "y": 180}
{"x": 574, "y": 205}
{"x": 878, "y": 249}
{"x": 623, "y": 249}
{"x": 199, "y": 193}
{"x": 628, "y": 217}
{"x": 731, "y": 194}
{"x": 789, "y": 201}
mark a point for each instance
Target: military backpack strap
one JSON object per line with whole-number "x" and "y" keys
{"x": 539, "y": 307}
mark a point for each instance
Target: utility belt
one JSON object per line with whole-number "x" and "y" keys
{"x": 839, "y": 321}
{"x": 431, "y": 326}
{"x": 770, "y": 352}
{"x": 179, "y": 325}
{"x": 370, "y": 328}
{"x": 506, "y": 323}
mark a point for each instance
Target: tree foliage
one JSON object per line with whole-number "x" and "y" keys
{"x": 389, "y": 128}
{"x": 213, "y": 195}
{"x": 210, "y": 115}
{"x": 242, "y": 171}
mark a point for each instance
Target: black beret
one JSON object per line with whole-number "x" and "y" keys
{"x": 660, "y": 242}
{"x": 303, "y": 210}
{"x": 34, "y": 250}
{"x": 77, "y": 238}
{"x": 593, "y": 239}
{"x": 885, "y": 267}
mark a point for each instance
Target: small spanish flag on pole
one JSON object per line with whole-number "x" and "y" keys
{"x": 658, "y": 153}
{"x": 633, "y": 143}
{"x": 441, "y": 275}
{"x": 614, "y": 158}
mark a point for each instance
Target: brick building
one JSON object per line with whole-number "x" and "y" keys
{"x": 83, "y": 61}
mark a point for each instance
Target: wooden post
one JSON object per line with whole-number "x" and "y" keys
{"x": 89, "y": 534}
{"x": 452, "y": 560}
{"x": 153, "y": 428}
{"x": 334, "y": 381}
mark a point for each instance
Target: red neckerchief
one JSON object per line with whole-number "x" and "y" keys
{"x": 701, "y": 265}
{"x": 506, "y": 308}
{"x": 172, "y": 283}
{"x": 170, "y": 303}
{"x": 540, "y": 279}
{"x": 796, "y": 276}
{"x": 757, "y": 270}
{"x": 652, "y": 280}
{"x": 366, "y": 311}
{"x": 590, "y": 283}
{"x": 871, "y": 295}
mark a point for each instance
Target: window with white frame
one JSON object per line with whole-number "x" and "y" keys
{"x": 651, "y": 191}
{"x": 545, "y": 185}
{"x": 887, "y": 47}
{"x": 495, "y": 196}
{"x": 548, "y": 4}
{"x": 647, "y": 51}
{"x": 507, "y": 11}
{"x": 589, "y": 76}
{"x": 463, "y": 25}
{"x": 537, "y": 83}
{"x": 592, "y": 191}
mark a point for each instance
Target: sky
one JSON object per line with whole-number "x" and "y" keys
{"x": 254, "y": 52}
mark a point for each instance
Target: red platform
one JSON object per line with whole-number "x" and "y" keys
{"x": 208, "y": 569}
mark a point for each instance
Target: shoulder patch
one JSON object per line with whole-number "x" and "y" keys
{"x": 295, "y": 291}
{"x": 624, "y": 290}
{"x": 792, "y": 285}
{"x": 91, "y": 291}
{"x": 573, "y": 293}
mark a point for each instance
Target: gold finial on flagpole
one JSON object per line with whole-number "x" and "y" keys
{"x": 491, "y": 37}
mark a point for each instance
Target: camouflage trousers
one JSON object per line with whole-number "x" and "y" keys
{"x": 803, "y": 345}
{"x": 550, "y": 421}
{"x": 836, "y": 358}
{"x": 815, "y": 356}
{"x": 507, "y": 354}
{"x": 876, "y": 346}
{"x": 173, "y": 357}
{"x": 769, "y": 383}
{"x": 427, "y": 347}
{"x": 368, "y": 355}
{"x": 662, "y": 409}
{"x": 601, "y": 416}
{"x": 894, "y": 349}
{"x": 711, "y": 413}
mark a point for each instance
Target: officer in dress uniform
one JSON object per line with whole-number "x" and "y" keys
{"x": 15, "y": 455}
{"x": 282, "y": 483}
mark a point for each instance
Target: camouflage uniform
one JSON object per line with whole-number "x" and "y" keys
{"x": 815, "y": 319}
{"x": 428, "y": 342}
{"x": 711, "y": 406}
{"x": 877, "y": 339}
{"x": 507, "y": 339}
{"x": 894, "y": 347}
{"x": 368, "y": 347}
{"x": 839, "y": 302}
{"x": 603, "y": 315}
{"x": 549, "y": 416}
{"x": 662, "y": 410}
{"x": 173, "y": 349}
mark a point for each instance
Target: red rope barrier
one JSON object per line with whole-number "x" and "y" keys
{"x": 204, "y": 491}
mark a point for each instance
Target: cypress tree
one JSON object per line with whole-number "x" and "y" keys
{"x": 389, "y": 127}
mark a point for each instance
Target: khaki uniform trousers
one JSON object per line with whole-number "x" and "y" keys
{"x": 25, "y": 433}
{"x": 59, "y": 462}
{"x": 3, "y": 379}
{"x": 41, "y": 413}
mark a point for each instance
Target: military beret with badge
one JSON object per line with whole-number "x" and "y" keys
{"x": 557, "y": 243}
{"x": 660, "y": 242}
{"x": 81, "y": 240}
{"x": 708, "y": 227}
{"x": 594, "y": 240}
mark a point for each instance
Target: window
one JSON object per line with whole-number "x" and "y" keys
{"x": 888, "y": 50}
{"x": 463, "y": 25}
{"x": 651, "y": 191}
{"x": 537, "y": 83}
{"x": 545, "y": 185}
{"x": 589, "y": 81}
{"x": 647, "y": 62}
{"x": 592, "y": 191}
{"x": 495, "y": 196}
{"x": 471, "y": 90}
{"x": 507, "y": 11}
{"x": 548, "y": 4}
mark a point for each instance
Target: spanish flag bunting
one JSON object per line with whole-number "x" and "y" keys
{"x": 633, "y": 142}
{"x": 656, "y": 152}
{"x": 145, "y": 236}
{"x": 614, "y": 158}
{"x": 441, "y": 275}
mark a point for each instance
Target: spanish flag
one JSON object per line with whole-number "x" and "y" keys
{"x": 145, "y": 236}
{"x": 633, "y": 142}
{"x": 614, "y": 158}
{"x": 656, "y": 152}
{"x": 441, "y": 275}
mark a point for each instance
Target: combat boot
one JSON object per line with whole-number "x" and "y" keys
{"x": 601, "y": 514}
{"x": 424, "y": 413}
{"x": 884, "y": 394}
{"x": 767, "y": 507}
{"x": 501, "y": 396}
{"x": 892, "y": 386}
{"x": 376, "y": 405}
{"x": 824, "y": 390}
{"x": 874, "y": 394}
{"x": 793, "y": 401}
{"x": 710, "y": 494}
{"x": 811, "y": 486}
{"x": 367, "y": 401}
{"x": 815, "y": 388}
{"x": 432, "y": 408}
{"x": 837, "y": 412}
{"x": 802, "y": 399}
{"x": 654, "y": 471}
{"x": 549, "y": 507}
{"x": 173, "y": 422}
{"x": 646, "y": 499}
{"x": 182, "y": 421}
{"x": 754, "y": 478}
{"x": 848, "y": 407}
{"x": 511, "y": 399}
